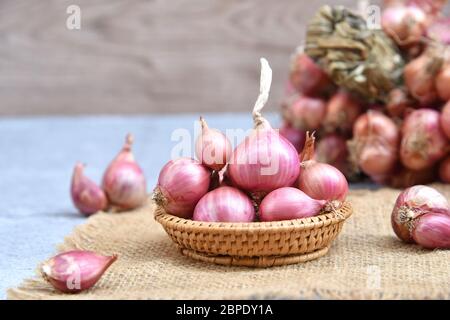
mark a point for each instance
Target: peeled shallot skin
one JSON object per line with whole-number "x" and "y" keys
{"x": 224, "y": 204}
{"x": 289, "y": 203}
{"x": 76, "y": 270}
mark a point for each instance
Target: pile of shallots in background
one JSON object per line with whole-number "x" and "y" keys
{"x": 399, "y": 143}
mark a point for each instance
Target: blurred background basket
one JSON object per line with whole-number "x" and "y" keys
{"x": 257, "y": 244}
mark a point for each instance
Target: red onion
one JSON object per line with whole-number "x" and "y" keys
{"x": 294, "y": 136}
{"x": 411, "y": 204}
{"x": 320, "y": 181}
{"x": 405, "y": 24}
{"x": 444, "y": 170}
{"x": 124, "y": 181}
{"x": 181, "y": 184}
{"x": 265, "y": 160}
{"x": 332, "y": 149}
{"x": 307, "y": 77}
{"x": 306, "y": 113}
{"x": 212, "y": 147}
{"x": 432, "y": 231}
{"x": 87, "y": 196}
{"x": 420, "y": 74}
{"x": 374, "y": 148}
{"x": 423, "y": 141}
{"x": 445, "y": 119}
{"x": 342, "y": 112}
{"x": 442, "y": 81}
{"x": 76, "y": 270}
{"x": 225, "y": 204}
{"x": 289, "y": 203}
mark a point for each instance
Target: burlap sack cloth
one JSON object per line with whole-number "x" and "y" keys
{"x": 366, "y": 261}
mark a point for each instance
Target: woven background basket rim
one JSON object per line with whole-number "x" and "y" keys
{"x": 308, "y": 223}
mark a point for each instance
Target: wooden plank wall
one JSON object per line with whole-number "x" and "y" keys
{"x": 144, "y": 56}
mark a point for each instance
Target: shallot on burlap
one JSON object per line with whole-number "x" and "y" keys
{"x": 365, "y": 261}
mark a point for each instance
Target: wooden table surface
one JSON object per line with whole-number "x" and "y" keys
{"x": 138, "y": 56}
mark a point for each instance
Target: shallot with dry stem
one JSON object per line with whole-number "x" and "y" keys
{"x": 212, "y": 147}
{"x": 320, "y": 181}
{"x": 265, "y": 160}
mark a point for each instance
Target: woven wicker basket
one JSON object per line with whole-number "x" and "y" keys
{"x": 256, "y": 244}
